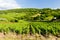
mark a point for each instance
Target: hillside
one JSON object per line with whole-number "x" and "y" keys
{"x": 33, "y": 14}
{"x": 30, "y": 21}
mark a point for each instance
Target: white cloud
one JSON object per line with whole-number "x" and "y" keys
{"x": 8, "y": 4}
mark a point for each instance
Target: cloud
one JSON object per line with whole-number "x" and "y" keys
{"x": 8, "y": 4}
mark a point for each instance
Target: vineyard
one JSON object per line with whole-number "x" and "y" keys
{"x": 24, "y": 27}
{"x": 30, "y": 21}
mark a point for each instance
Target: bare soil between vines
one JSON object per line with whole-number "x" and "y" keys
{"x": 13, "y": 36}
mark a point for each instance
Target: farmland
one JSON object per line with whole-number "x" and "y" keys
{"x": 30, "y": 21}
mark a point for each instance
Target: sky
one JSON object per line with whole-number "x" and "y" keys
{"x": 11, "y": 4}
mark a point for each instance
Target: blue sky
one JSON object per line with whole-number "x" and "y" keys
{"x": 39, "y": 3}
{"x": 10, "y": 4}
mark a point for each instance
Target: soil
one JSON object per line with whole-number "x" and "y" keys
{"x": 13, "y": 36}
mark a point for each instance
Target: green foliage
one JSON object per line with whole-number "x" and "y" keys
{"x": 49, "y": 18}
{"x": 24, "y": 27}
{"x": 30, "y": 20}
